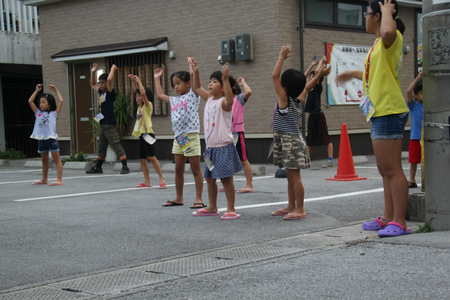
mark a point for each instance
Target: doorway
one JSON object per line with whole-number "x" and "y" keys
{"x": 83, "y": 108}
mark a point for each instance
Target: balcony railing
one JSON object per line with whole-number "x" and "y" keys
{"x": 17, "y": 17}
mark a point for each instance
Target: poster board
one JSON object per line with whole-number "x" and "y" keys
{"x": 344, "y": 58}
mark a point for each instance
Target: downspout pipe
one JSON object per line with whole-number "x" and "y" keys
{"x": 300, "y": 29}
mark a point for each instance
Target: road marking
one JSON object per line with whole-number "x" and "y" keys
{"x": 113, "y": 191}
{"x": 343, "y": 195}
{"x": 64, "y": 178}
{"x": 26, "y": 171}
{"x": 310, "y": 199}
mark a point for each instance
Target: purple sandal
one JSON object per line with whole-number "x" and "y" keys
{"x": 393, "y": 229}
{"x": 374, "y": 225}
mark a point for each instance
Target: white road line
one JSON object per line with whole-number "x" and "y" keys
{"x": 310, "y": 199}
{"x": 26, "y": 171}
{"x": 64, "y": 178}
{"x": 343, "y": 195}
{"x": 112, "y": 191}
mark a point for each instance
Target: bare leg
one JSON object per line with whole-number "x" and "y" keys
{"x": 248, "y": 177}
{"x": 59, "y": 169}
{"x": 180, "y": 161}
{"x": 44, "y": 159}
{"x": 212, "y": 194}
{"x": 412, "y": 172}
{"x": 157, "y": 167}
{"x": 296, "y": 191}
{"x": 291, "y": 198}
{"x": 388, "y": 157}
{"x": 194, "y": 161}
{"x": 229, "y": 192}
{"x": 310, "y": 150}
{"x": 330, "y": 150}
{"x": 146, "y": 171}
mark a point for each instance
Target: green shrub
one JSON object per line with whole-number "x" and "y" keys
{"x": 12, "y": 154}
{"x": 75, "y": 157}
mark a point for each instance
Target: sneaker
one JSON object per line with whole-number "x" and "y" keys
{"x": 125, "y": 170}
{"x": 328, "y": 164}
{"x": 94, "y": 169}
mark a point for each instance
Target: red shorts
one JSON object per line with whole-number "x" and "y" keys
{"x": 414, "y": 152}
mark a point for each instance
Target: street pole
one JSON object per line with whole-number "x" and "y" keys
{"x": 436, "y": 104}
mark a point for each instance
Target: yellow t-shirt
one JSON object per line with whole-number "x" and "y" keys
{"x": 383, "y": 87}
{"x": 143, "y": 120}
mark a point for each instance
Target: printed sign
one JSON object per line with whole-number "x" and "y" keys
{"x": 344, "y": 58}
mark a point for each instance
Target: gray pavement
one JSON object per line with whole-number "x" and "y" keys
{"x": 98, "y": 237}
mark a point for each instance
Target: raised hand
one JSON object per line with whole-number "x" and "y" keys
{"x": 52, "y": 87}
{"x": 285, "y": 51}
{"x": 94, "y": 67}
{"x": 158, "y": 73}
{"x": 387, "y": 8}
{"x": 192, "y": 63}
{"x": 225, "y": 72}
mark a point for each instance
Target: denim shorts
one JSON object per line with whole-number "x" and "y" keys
{"x": 45, "y": 146}
{"x": 388, "y": 127}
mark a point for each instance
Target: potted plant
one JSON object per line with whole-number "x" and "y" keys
{"x": 121, "y": 111}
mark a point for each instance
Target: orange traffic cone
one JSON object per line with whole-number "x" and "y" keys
{"x": 346, "y": 169}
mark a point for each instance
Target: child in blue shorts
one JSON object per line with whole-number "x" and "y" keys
{"x": 45, "y": 131}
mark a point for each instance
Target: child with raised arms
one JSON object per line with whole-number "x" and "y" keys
{"x": 45, "y": 131}
{"x": 237, "y": 128}
{"x": 143, "y": 130}
{"x": 290, "y": 150}
{"x": 221, "y": 157}
{"x": 389, "y": 113}
{"x": 185, "y": 123}
{"x": 414, "y": 97}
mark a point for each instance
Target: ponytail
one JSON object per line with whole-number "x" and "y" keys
{"x": 400, "y": 25}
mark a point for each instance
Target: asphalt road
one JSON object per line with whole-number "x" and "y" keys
{"x": 101, "y": 222}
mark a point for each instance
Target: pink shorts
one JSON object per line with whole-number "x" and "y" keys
{"x": 414, "y": 152}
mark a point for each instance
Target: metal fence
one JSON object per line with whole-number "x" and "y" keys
{"x": 17, "y": 17}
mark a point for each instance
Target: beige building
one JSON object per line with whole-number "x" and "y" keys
{"x": 140, "y": 35}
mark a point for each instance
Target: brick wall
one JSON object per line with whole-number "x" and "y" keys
{"x": 195, "y": 28}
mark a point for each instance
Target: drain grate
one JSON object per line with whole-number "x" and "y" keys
{"x": 114, "y": 282}
{"x": 118, "y": 281}
{"x": 45, "y": 292}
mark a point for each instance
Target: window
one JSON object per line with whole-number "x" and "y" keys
{"x": 143, "y": 65}
{"x": 319, "y": 11}
{"x": 335, "y": 13}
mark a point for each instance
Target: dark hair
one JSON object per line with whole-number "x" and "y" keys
{"x": 375, "y": 6}
{"x": 236, "y": 89}
{"x": 314, "y": 73}
{"x": 183, "y": 75}
{"x": 104, "y": 77}
{"x": 148, "y": 93}
{"x": 418, "y": 86}
{"x": 294, "y": 81}
{"x": 218, "y": 75}
{"x": 51, "y": 101}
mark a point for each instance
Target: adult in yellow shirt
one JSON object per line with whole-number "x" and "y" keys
{"x": 380, "y": 80}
